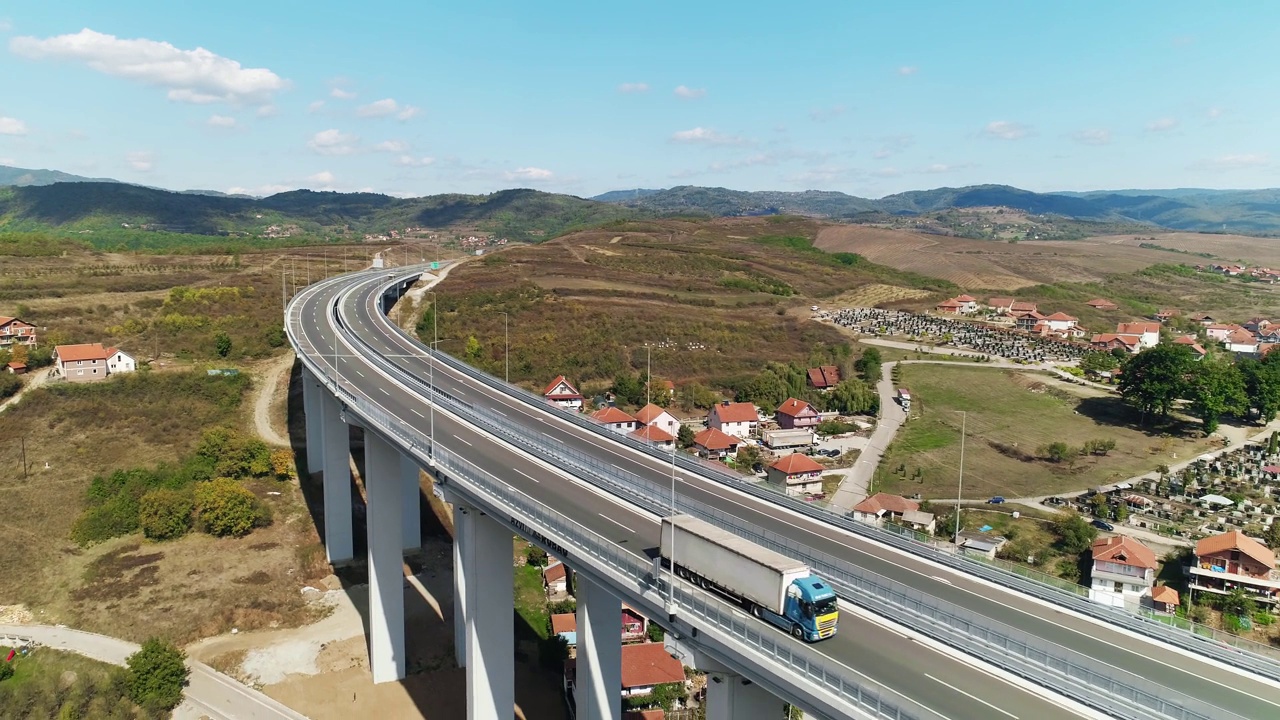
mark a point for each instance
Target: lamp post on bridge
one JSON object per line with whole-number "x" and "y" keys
{"x": 506, "y": 336}
{"x": 964, "y": 416}
{"x": 435, "y": 338}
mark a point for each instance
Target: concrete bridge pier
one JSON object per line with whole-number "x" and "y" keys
{"x": 599, "y": 672}
{"x": 384, "y": 480}
{"x": 733, "y": 697}
{"x": 411, "y": 512}
{"x": 312, "y": 399}
{"x": 487, "y": 582}
{"x": 336, "y": 442}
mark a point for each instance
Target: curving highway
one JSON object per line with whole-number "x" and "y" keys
{"x": 944, "y": 684}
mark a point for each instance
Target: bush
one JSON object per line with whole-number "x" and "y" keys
{"x": 156, "y": 675}
{"x": 1099, "y": 446}
{"x": 225, "y": 507}
{"x": 164, "y": 514}
{"x": 535, "y": 556}
{"x": 9, "y": 384}
{"x": 6, "y": 670}
{"x": 1057, "y": 452}
{"x": 115, "y": 517}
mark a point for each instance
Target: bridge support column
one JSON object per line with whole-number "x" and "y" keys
{"x": 733, "y": 697}
{"x": 311, "y": 411}
{"x": 411, "y": 517}
{"x": 489, "y": 587}
{"x": 461, "y": 518}
{"x": 336, "y": 440}
{"x": 383, "y": 483}
{"x": 599, "y": 653}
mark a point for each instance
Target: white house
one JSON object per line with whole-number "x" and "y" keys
{"x": 1148, "y": 332}
{"x": 118, "y": 361}
{"x": 1123, "y": 571}
{"x": 1241, "y": 341}
{"x": 653, "y": 415}
{"x": 614, "y": 419}
{"x": 561, "y": 392}
{"x": 736, "y": 419}
{"x": 968, "y": 303}
{"x": 1219, "y": 331}
{"x": 1060, "y": 321}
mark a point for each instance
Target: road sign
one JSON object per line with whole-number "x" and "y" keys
{"x": 435, "y": 266}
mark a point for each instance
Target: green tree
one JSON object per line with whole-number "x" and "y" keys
{"x": 1101, "y": 506}
{"x": 222, "y": 344}
{"x": 1272, "y": 536}
{"x": 1099, "y": 362}
{"x": 696, "y": 395}
{"x": 6, "y": 670}
{"x": 473, "y": 349}
{"x": 1122, "y": 512}
{"x": 1057, "y": 452}
{"x": 156, "y": 675}
{"x": 1075, "y": 534}
{"x": 853, "y": 397}
{"x": 164, "y": 513}
{"x": 1215, "y": 389}
{"x": 868, "y": 366}
{"x": 628, "y": 389}
{"x": 748, "y": 456}
{"x": 1155, "y": 378}
{"x": 1238, "y": 603}
{"x": 225, "y": 507}
{"x": 685, "y": 436}
{"x": 1262, "y": 385}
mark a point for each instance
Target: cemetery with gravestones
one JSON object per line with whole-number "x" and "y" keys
{"x": 987, "y": 340}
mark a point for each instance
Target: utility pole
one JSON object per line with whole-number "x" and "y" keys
{"x": 506, "y": 335}
{"x": 648, "y": 372}
{"x": 964, "y": 416}
{"x": 24, "y": 457}
{"x": 284, "y": 299}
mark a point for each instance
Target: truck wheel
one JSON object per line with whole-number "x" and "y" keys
{"x": 756, "y": 611}
{"x": 702, "y": 583}
{"x": 797, "y": 631}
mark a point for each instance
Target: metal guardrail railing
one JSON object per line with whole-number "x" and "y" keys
{"x": 1243, "y": 653}
{"x": 1063, "y": 670}
{"x": 796, "y": 657}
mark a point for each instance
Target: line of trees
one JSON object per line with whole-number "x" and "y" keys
{"x": 1154, "y": 380}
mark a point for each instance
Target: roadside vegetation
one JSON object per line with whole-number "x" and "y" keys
{"x": 47, "y": 683}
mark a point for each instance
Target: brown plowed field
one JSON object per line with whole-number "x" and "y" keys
{"x": 1253, "y": 250}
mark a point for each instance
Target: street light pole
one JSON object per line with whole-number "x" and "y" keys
{"x": 435, "y": 315}
{"x": 964, "y": 416}
{"x": 506, "y": 336}
{"x": 648, "y": 372}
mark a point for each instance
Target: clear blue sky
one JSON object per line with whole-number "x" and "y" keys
{"x": 415, "y": 98}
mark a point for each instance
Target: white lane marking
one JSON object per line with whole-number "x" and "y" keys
{"x": 615, "y": 522}
{"x": 464, "y": 442}
{"x": 415, "y": 412}
{"x": 528, "y": 476}
{"x": 384, "y": 391}
{"x": 971, "y": 697}
{"x": 942, "y": 579}
{"x": 360, "y": 373}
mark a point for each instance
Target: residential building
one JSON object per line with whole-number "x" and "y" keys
{"x": 1123, "y": 571}
{"x": 1163, "y": 316}
{"x": 616, "y": 420}
{"x": 1028, "y": 320}
{"x": 714, "y": 444}
{"x": 1109, "y": 341}
{"x": 16, "y": 332}
{"x": 734, "y": 418}
{"x": 1219, "y": 331}
{"x": 566, "y": 626}
{"x": 119, "y": 361}
{"x": 16, "y": 368}
{"x": 87, "y": 362}
{"x": 1204, "y": 319}
{"x": 634, "y": 626}
{"x": 653, "y": 415}
{"x": 968, "y": 303}
{"x": 1022, "y": 307}
{"x": 883, "y": 507}
{"x": 796, "y": 414}
{"x": 1060, "y": 321}
{"x": 654, "y": 435}
{"x": 1164, "y": 599}
{"x": 1258, "y": 325}
{"x": 1197, "y": 350}
{"x": 796, "y": 474}
{"x": 1000, "y": 304}
{"x": 563, "y": 393}
{"x": 1233, "y": 560}
{"x": 644, "y": 667}
{"x": 1148, "y": 332}
{"x": 824, "y": 377}
{"x": 1102, "y": 304}
{"x": 555, "y": 578}
{"x": 980, "y": 544}
{"x": 950, "y": 306}
{"x": 1241, "y": 341}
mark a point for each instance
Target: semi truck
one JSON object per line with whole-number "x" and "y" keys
{"x": 769, "y": 585}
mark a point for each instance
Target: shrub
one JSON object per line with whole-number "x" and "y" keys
{"x": 9, "y": 385}
{"x": 156, "y": 675}
{"x": 6, "y": 671}
{"x": 115, "y": 517}
{"x": 164, "y": 514}
{"x": 282, "y": 464}
{"x": 225, "y": 507}
{"x": 535, "y": 556}
{"x": 1057, "y": 452}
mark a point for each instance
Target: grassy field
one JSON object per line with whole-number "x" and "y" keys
{"x": 1010, "y": 415}
{"x": 55, "y": 684}
{"x": 717, "y": 299}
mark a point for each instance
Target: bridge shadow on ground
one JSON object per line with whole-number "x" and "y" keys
{"x": 435, "y": 688}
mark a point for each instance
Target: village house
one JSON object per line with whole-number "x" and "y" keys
{"x": 1022, "y": 307}
{"x": 980, "y": 544}
{"x": 882, "y": 507}
{"x": 1241, "y": 341}
{"x": 1109, "y": 341}
{"x": 1163, "y": 316}
{"x": 1102, "y": 304}
{"x": 1028, "y": 320}
{"x": 1220, "y": 331}
{"x": 1164, "y": 599}
{"x": 657, "y": 417}
{"x": 950, "y": 306}
{"x": 796, "y": 474}
{"x": 1257, "y": 325}
{"x": 644, "y": 667}
{"x": 968, "y": 303}
{"x": 16, "y": 332}
{"x": 796, "y": 415}
{"x": 555, "y": 578}
{"x": 634, "y": 627}
{"x": 824, "y": 377}
{"x": 1000, "y": 304}
{"x": 561, "y": 392}
{"x": 1060, "y": 321}
{"x": 1123, "y": 571}
{"x": 89, "y": 362}
{"x": 1233, "y": 560}
{"x": 654, "y": 435}
{"x": 1204, "y": 319}
{"x": 714, "y": 444}
{"x": 1197, "y": 350}
{"x": 734, "y": 418}
{"x": 1147, "y": 332}
{"x": 16, "y": 368}
{"x": 616, "y": 420}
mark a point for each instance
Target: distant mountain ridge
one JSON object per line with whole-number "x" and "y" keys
{"x": 25, "y": 176}
{"x": 1242, "y": 211}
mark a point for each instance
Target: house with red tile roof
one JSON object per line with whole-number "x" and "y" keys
{"x": 16, "y": 368}
{"x": 1102, "y": 304}
{"x": 824, "y": 377}
{"x": 950, "y": 306}
{"x": 561, "y": 392}
{"x": 653, "y": 415}
{"x": 1060, "y": 321}
{"x": 795, "y": 414}
{"x": 1109, "y": 341}
{"x": 555, "y": 578}
{"x": 654, "y": 435}
{"x": 89, "y": 362}
{"x": 616, "y": 420}
{"x": 797, "y": 474}
{"x": 1235, "y": 560}
{"x": 968, "y": 303}
{"x": 16, "y": 332}
{"x": 644, "y": 667}
{"x": 1000, "y": 304}
{"x": 1164, "y": 315}
{"x": 734, "y": 418}
{"x": 1148, "y": 332}
{"x": 1220, "y": 331}
{"x": 1022, "y": 307}
{"x": 1027, "y": 320}
{"x": 1164, "y": 599}
{"x": 1197, "y": 350}
{"x": 1241, "y": 341}
{"x": 714, "y": 444}
{"x": 1123, "y": 571}
{"x": 883, "y": 507}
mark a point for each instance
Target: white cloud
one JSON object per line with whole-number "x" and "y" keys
{"x": 333, "y": 142}
{"x": 324, "y": 177}
{"x": 1006, "y": 130}
{"x": 689, "y": 93}
{"x": 1234, "y": 162}
{"x": 825, "y": 114}
{"x": 391, "y": 146}
{"x": 411, "y": 161}
{"x": 221, "y": 121}
{"x": 315, "y": 106}
{"x": 529, "y": 174}
{"x": 939, "y": 168}
{"x": 196, "y": 76}
{"x": 341, "y": 94}
{"x": 630, "y": 88}
{"x": 707, "y": 136}
{"x": 1162, "y": 124}
{"x": 268, "y": 111}
{"x": 1093, "y": 136}
{"x": 260, "y": 191}
{"x": 379, "y": 108}
{"x": 141, "y": 161}
{"x": 908, "y": 70}
{"x": 408, "y": 113}
{"x": 1214, "y": 113}
{"x": 886, "y": 172}
{"x": 12, "y": 126}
